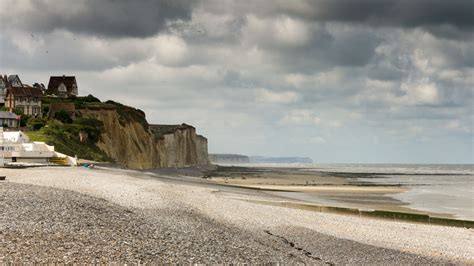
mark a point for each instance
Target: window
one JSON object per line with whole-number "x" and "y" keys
{"x": 62, "y": 88}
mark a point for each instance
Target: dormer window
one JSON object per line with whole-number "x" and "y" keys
{"x": 62, "y": 88}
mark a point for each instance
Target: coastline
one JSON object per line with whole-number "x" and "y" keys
{"x": 343, "y": 190}
{"x": 218, "y": 218}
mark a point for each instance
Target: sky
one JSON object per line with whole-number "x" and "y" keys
{"x": 339, "y": 81}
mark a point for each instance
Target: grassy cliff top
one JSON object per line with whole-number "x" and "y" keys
{"x": 161, "y": 130}
{"x": 128, "y": 114}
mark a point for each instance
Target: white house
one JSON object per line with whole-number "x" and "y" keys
{"x": 15, "y": 137}
{"x": 16, "y": 148}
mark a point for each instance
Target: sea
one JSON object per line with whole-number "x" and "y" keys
{"x": 440, "y": 188}
{"x": 437, "y": 188}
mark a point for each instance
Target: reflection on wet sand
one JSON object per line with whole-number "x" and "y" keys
{"x": 344, "y": 190}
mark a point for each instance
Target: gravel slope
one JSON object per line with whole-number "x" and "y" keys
{"x": 143, "y": 219}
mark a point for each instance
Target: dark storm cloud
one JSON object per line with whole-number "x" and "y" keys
{"x": 354, "y": 48}
{"x": 112, "y": 18}
{"x": 450, "y": 19}
{"x": 407, "y": 13}
{"x": 433, "y": 15}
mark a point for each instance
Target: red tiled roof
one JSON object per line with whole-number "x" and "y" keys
{"x": 25, "y": 91}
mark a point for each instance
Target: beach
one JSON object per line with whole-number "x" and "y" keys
{"x": 426, "y": 190}
{"x": 72, "y": 214}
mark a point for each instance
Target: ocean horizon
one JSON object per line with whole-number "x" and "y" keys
{"x": 437, "y": 188}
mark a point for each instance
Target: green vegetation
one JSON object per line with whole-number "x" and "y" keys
{"x": 128, "y": 114}
{"x": 63, "y": 116}
{"x": 37, "y": 123}
{"x": 23, "y": 118}
{"x": 39, "y": 136}
{"x": 79, "y": 100}
{"x": 88, "y": 125}
{"x": 161, "y": 130}
{"x": 65, "y": 129}
{"x": 65, "y": 138}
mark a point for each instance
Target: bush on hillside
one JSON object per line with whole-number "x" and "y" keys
{"x": 91, "y": 126}
{"x": 63, "y": 116}
{"x": 37, "y": 123}
{"x": 65, "y": 139}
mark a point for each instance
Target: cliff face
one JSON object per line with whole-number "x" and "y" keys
{"x": 127, "y": 138}
{"x": 202, "y": 155}
{"x": 127, "y": 143}
{"x": 180, "y": 147}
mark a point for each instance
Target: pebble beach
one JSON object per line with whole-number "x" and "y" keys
{"x": 78, "y": 215}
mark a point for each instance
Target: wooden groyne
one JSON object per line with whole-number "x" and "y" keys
{"x": 386, "y": 215}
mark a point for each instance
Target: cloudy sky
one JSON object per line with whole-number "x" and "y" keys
{"x": 368, "y": 81}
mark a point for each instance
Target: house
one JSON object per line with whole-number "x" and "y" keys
{"x": 17, "y": 149}
{"x": 15, "y": 137}
{"x": 8, "y": 119}
{"x": 25, "y": 99}
{"x": 8, "y": 82}
{"x": 62, "y": 86}
{"x": 14, "y": 81}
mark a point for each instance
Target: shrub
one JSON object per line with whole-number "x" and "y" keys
{"x": 89, "y": 125}
{"x": 63, "y": 116}
{"x": 37, "y": 123}
{"x": 90, "y": 99}
{"x": 23, "y": 118}
{"x": 45, "y": 108}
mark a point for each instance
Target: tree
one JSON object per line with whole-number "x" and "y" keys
{"x": 23, "y": 118}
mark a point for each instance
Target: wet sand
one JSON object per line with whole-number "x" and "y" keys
{"x": 333, "y": 189}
